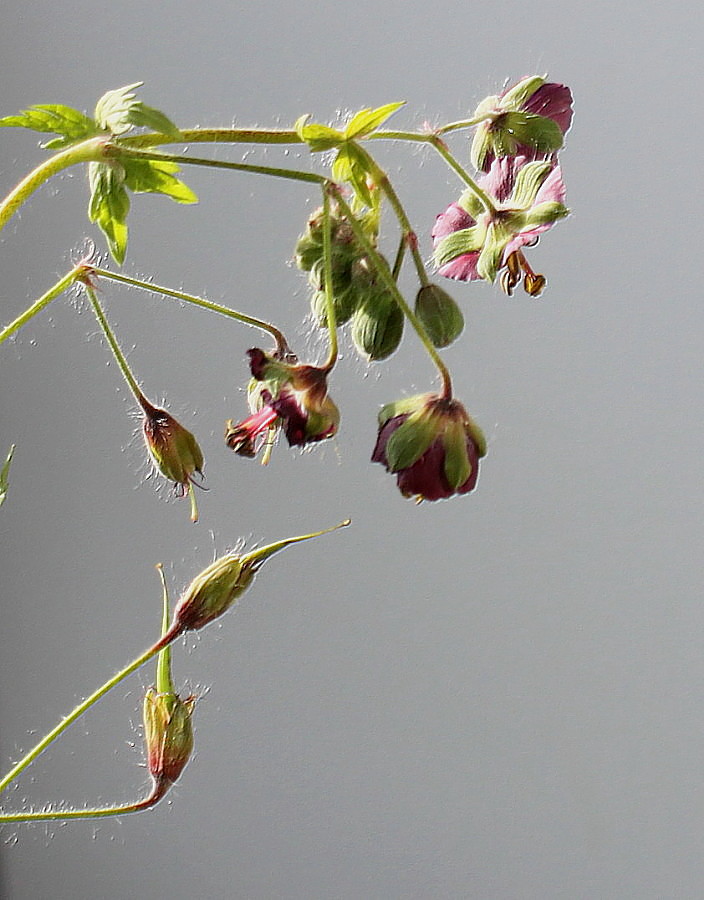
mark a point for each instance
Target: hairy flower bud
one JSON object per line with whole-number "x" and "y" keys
{"x": 213, "y": 591}
{"x": 377, "y": 325}
{"x": 168, "y": 735}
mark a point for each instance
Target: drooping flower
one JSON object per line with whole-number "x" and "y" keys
{"x": 529, "y": 119}
{"x": 472, "y": 242}
{"x": 432, "y": 446}
{"x": 173, "y": 449}
{"x": 283, "y": 395}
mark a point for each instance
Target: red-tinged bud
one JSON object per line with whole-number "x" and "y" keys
{"x": 432, "y": 446}
{"x": 173, "y": 449}
{"x": 168, "y": 736}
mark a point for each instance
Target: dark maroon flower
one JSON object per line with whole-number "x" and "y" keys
{"x": 432, "y": 446}
{"x": 282, "y": 395}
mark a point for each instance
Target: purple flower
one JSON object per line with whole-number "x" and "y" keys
{"x": 529, "y": 119}
{"x": 431, "y": 445}
{"x": 473, "y": 242}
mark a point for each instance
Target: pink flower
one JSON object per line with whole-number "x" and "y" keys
{"x": 473, "y": 242}
{"x": 529, "y": 119}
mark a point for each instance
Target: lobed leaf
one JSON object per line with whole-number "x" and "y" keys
{"x": 153, "y": 176}
{"x": 109, "y": 205}
{"x": 71, "y": 124}
{"x": 366, "y": 121}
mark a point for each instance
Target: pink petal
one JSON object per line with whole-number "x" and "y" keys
{"x": 554, "y": 101}
{"x": 453, "y": 219}
{"x": 462, "y": 268}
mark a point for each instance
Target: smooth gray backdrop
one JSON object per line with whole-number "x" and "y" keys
{"x": 501, "y": 696}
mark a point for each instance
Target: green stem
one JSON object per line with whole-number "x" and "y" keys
{"x": 381, "y": 179}
{"x": 164, "y": 682}
{"x": 118, "y": 151}
{"x": 82, "y": 707}
{"x": 281, "y": 342}
{"x": 442, "y": 149}
{"x": 329, "y": 301}
{"x": 86, "y": 151}
{"x": 386, "y": 276}
{"x": 156, "y": 793}
{"x": 43, "y": 301}
{"x": 215, "y": 136}
{"x": 114, "y": 346}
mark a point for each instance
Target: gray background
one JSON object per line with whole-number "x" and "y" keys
{"x": 494, "y": 697}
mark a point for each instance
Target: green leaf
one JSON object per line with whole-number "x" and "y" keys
{"x": 351, "y": 167}
{"x": 368, "y": 120}
{"x": 318, "y": 137}
{"x": 4, "y": 472}
{"x": 109, "y": 205}
{"x": 71, "y": 124}
{"x": 119, "y": 110}
{"x": 153, "y": 176}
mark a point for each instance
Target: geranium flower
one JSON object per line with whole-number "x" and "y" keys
{"x": 432, "y": 446}
{"x": 472, "y": 242}
{"x": 287, "y": 396}
{"x": 529, "y": 119}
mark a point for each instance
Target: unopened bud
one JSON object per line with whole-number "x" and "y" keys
{"x": 168, "y": 735}
{"x": 377, "y": 326}
{"x": 441, "y": 316}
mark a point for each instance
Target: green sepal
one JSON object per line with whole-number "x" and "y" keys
{"x": 522, "y": 92}
{"x": 471, "y": 204}
{"x": 457, "y": 465}
{"x": 153, "y": 176}
{"x": 492, "y": 253}
{"x": 441, "y": 316}
{"x": 368, "y": 120}
{"x": 402, "y": 407}
{"x": 318, "y": 137}
{"x": 109, "y": 205}
{"x": 410, "y": 440}
{"x": 466, "y": 240}
{"x": 71, "y": 124}
{"x": 529, "y": 180}
{"x": 4, "y": 475}
{"x": 545, "y": 214}
{"x": 541, "y": 133}
{"x": 117, "y": 111}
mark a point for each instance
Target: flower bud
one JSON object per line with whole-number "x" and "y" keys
{"x": 377, "y": 326}
{"x": 168, "y": 735}
{"x": 213, "y": 592}
{"x": 441, "y": 316}
{"x": 173, "y": 448}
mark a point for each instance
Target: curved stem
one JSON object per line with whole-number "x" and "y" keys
{"x": 381, "y": 179}
{"x": 78, "y": 711}
{"x": 43, "y": 301}
{"x": 114, "y": 346}
{"x": 281, "y": 342}
{"x": 86, "y": 151}
{"x": 387, "y": 278}
{"x": 329, "y": 300}
{"x": 156, "y": 793}
{"x": 442, "y": 149}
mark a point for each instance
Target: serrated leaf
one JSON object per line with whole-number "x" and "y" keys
{"x": 109, "y": 205}
{"x": 318, "y": 137}
{"x": 368, "y": 120}
{"x": 112, "y": 110}
{"x": 4, "y": 473}
{"x": 71, "y": 124}
{"x": 153, "y": 176}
